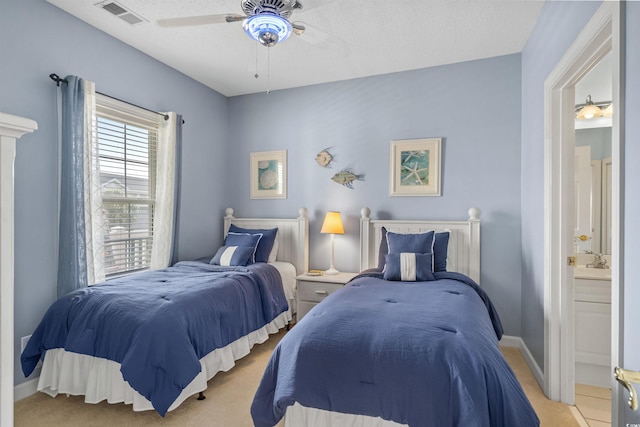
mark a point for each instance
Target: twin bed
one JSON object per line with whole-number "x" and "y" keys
{"x": 154, "y": 339}
{"x": 398, "y": 345}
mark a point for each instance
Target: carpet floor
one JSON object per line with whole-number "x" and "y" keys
{"x": 228, "y": 401}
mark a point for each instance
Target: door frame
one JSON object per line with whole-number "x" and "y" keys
{"x": 601, "y": 35}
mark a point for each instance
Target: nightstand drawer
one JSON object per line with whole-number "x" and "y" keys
{"x": 316, "y": 291}
{"x": 313, "y": 289}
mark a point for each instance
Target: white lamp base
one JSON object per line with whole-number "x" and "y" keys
{"x": 332, "y": 270}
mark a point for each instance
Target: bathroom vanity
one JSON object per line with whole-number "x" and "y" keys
{"x": 593, "y": 326}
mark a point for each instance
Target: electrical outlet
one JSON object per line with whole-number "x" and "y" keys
{"x": 23, "y": 342}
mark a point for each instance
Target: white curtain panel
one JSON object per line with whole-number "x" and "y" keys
{"x": 93, "y": 217}
{"x": 165, "y": 188}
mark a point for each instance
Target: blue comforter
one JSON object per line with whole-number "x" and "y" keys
{"x": 417, "y": 353}
{"x": 159, "y": 324}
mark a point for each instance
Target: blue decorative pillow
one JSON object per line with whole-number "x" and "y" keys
{"x": 384, "y": 248}
{"x": 266, "y": 243}
{"x": 440, "y": 248}
{"x": 244, "y": 239}
{"x": 408, "y": 267}
{"x": 419, "y": 243}
{"x": 233, "y": 255}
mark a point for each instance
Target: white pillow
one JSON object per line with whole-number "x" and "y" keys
{"x": 274, "y": 251}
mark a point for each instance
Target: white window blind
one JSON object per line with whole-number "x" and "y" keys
{"x": 127, "y": 142}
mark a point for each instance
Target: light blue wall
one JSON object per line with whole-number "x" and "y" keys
{"x": 473, "y": 106}
{"x": 37, "y": 39}
{"x": 557, "y": 27}
{"x": 488, "y": 112}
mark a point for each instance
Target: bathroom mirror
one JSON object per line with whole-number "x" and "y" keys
{"x": 593, "y": 162}
{"x": 593, "y": 190}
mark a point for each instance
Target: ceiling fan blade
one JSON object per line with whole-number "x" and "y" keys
{"x": 199, "y": 20}
{"x": 309, "y": 33}
{"x": 317, "y": 37}
{"x": 235, "y": 18}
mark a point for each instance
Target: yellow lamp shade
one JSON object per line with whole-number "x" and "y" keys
{"x": 332, "y": 223}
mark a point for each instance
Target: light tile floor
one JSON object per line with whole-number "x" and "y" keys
{"x": 594, "y": 404}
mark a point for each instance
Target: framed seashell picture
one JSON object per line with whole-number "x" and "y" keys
{"x": 268, "y": 175}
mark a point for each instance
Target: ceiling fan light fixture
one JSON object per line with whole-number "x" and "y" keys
{"x": 267, "y": 28}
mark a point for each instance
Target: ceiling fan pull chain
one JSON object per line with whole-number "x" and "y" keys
{"x": 268, "y": 69}
{"x": 256, "y": 75}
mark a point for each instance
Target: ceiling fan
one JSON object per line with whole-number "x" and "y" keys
{"x": 266, "y": 21}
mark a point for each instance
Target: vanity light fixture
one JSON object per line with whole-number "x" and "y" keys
{"x": 592, "y": 110}
{"x": 332, "y": 225}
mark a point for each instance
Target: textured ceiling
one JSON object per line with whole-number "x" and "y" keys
{"x": 345, "y": 39}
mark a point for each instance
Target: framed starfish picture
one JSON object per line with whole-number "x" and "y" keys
{"x": 415, "y": 167}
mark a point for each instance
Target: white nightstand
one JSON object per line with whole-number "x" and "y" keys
{"x": 313, "y": 289}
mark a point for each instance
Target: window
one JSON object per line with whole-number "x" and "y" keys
{"x": 127, "y": 144}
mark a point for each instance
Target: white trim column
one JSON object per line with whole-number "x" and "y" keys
{"x": 11, "y": 128}
{"x": 599, "y": 37}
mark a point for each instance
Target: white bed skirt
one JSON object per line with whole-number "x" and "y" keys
{"x": 298, "y": 415}
{"x": 100, "y": 379}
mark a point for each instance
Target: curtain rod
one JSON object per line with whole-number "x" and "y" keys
{"x": 59, "y": 80}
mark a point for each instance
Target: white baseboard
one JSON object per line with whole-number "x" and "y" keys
{"x": 25, "y": 389}
{"x": 517, "y": 342}
{"x": 578, "y": 416}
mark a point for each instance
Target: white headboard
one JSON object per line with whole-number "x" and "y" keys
{"x": 463, "y": 254}
{"x": 293, "y": 235}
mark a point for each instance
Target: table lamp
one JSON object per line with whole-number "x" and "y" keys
{"x": 333, "y": 225}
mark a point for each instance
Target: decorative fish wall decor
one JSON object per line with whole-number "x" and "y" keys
{"x": 346, "y": 177}
{"x": 324, "y": 158}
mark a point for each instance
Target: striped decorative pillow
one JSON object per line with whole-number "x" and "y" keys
{"x": 228, "y": 256}
{"x": 419, "y": 243}
{"x": 244, "y": 239}
{"x": 408, "y": 267}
